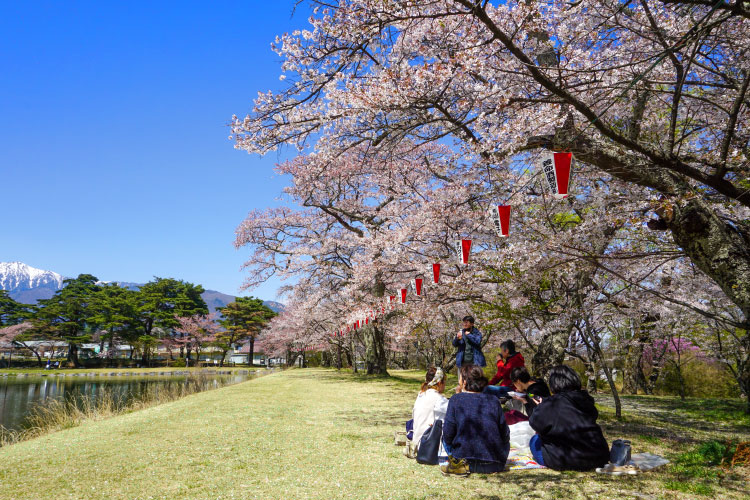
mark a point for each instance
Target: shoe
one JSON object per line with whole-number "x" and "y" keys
{"x": 410, "y": 450}
{"x": 619, "y": 470}
{"x": 456, "y": 467}
{"x": 399, "y": 438}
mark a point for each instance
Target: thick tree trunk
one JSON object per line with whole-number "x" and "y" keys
{"x": 73, "y": 354}
{"x": 349, "y": 358}
{"x": 591, "y": 376}
{"x": 338, "y": 355}
{"x": 550, "y": 351}
{"x": 375, "y": 354}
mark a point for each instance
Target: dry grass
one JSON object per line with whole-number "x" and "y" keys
{"x": 312, "y": 434}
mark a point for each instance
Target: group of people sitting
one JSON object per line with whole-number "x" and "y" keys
{"x": 475, "y": 433}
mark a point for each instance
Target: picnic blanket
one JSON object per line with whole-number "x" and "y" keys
{"x": 647, "y": 461}
{"x": 520, "y": 459}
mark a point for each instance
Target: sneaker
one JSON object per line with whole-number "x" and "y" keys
{"x": 456, "y": 467}
{"x": 619, "y": 470}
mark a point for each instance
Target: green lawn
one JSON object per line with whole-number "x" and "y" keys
{"x": 317, "y": 434}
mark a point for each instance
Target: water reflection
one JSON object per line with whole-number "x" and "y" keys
{"x": 19, "y": 394}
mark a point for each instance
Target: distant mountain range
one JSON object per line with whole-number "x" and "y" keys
{"x": 28, "y": 284}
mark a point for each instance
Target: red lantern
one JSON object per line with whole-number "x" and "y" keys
{"x": 436, "y": 272}
{"x": 463, "y": 248}
{"x": 403, "y": 295}
{"x": 418, "y": 286}
{"x": 391, "y": 298}
{"x": 367, "y": 321}
{"x": 501, "y": 219}
{"x": 556, "y": 168}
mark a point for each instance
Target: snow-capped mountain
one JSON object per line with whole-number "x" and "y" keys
{"x": 28, "y": 284}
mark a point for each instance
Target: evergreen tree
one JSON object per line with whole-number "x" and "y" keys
{"x": 68, "y": 315}
{"x": 243, "y": 319}
{"x": 161, "y": 301}
{"x": 11, "y": 312}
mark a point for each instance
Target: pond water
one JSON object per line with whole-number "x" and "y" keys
{"x": 18, "y": 395}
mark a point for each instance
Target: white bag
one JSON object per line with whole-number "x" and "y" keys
{"x": 520, "y": 434}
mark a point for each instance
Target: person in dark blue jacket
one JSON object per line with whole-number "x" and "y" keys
{"x": 469, "y": 343}
{"x": 474, "y": 427}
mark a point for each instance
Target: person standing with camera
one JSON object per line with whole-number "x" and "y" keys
{"x": 469, "y": 343}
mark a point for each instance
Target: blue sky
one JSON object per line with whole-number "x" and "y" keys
{"x": 114, "y": 150}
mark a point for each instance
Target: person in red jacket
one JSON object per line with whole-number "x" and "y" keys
{"x": 507, "y": 360}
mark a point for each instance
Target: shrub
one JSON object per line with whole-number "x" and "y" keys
{"x": 705, "y": 379}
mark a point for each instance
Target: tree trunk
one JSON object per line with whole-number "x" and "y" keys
{"x": 338, "y": 355}
{"x": 613, "y": 388}
{"x": 223, "y": 355}
{"x": 73, "y": 354}
{"x": 349, "y": 359}
{"x": 550, "y": 352}
{"x": 591, "y": 377}
{"x": 375, "y": 354}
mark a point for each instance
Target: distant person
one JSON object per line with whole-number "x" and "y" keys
{"x": 430, "y": 405}
{"x": 568, "y": 437}
{"x": 468, "y": 340}
{"x": 507, "y": 360}
{"x": 535, "y": 389}
{"x": 475, "y": 434}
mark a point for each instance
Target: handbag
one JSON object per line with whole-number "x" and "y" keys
{"x": 429, "y": 445}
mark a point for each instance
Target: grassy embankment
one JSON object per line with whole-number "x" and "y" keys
{"x": 320, "y": 434}
{"x": 117, "y": 371}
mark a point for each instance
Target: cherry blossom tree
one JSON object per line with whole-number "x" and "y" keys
{"x": 412, "y": 118}
{"x": 195, "y": 332}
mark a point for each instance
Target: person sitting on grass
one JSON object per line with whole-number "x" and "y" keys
{"x": 507, "y": 361}
{"x": 475, "y": 434}
{"x": 568, "y": 437}
{"x": 535, "y": 389}
{"x": 430, "y": 405}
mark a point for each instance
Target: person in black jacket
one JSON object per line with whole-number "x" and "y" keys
{"x": 535, "y": 389}
{"x": 568, "y": 437}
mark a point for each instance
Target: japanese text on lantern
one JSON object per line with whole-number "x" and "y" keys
{"x": 548, "y": 167}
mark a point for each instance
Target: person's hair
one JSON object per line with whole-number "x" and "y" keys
{"x": 520, "y": 373}
{"x": 428, "y": 377}
{"x": 470, "y": 319}
{"x": 510, "y": 345}
{"x": 474, "y": 377}
{"x": 563, "y": 379}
